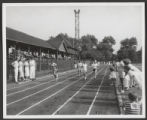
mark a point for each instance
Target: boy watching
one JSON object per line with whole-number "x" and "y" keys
{"x": 132, "y": 107}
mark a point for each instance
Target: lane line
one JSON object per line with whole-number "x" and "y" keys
{"x": 47, "y": 77}
{"x": 32, "y": 87}
{"x": 90, "y": 108}
{"x": 40, "y": 91}
{"x": 48, "y": 97}
{"x": 74, "y": 94}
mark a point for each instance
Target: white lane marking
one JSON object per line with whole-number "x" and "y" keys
{"x": 74, "y": 95}
{"x": 47, "y": 97}
{"x": 31, "y": 87}
{"x": 89, "y": 110}
{"x": 62, "y": 73}
{"x": 40, "y": 91}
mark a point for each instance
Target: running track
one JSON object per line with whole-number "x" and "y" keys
{"x": 70, "y": 95}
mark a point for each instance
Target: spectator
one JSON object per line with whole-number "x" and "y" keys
{"x": 121, "y": 74}
{"x": 126, "y": 82}
{"x": 21, "y": 69}
{"x": 32, "y": 65}
{"x": 135, "y": 77}
{"x": 112, "y": 75}
{"x": 27, "y": 69}
{"x": 132, "y": 106}
{"x": 15, "y": 65}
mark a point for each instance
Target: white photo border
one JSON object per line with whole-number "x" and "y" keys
{"x": 4, "y": 5}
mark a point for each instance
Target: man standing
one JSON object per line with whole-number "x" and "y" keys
{"x": 15, "y": 65}
{"x": 21, "y": 69}
{"x": 32, "y": 64}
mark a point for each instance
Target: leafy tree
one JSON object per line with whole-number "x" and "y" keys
{"x": 109, "y": 40}
{"x": 89, "y": 41}
{"x": 128, "y": 49}
{"x": 139, "y": 55}
{"x": 105, "y": 47}
{"x": 129, "y": 42}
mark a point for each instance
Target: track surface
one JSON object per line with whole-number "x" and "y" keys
{"x": 70, "y": 95}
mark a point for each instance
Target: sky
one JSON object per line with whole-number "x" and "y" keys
{"x": 44, "y": 20}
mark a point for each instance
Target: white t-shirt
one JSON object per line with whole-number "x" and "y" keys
{"x": 134, "y": 68}
{"x": 137, "y": 76}
{"x": 15, "y": 64}
{"x": 20, "y": 65}
{"x": 85, "y": 67}
{"x": 80, "y": 65}
{"x": 94, "y": 65}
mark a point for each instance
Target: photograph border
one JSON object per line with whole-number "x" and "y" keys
{"x": 4, "y": 5}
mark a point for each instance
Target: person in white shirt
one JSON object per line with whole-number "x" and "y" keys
{"x": 15, "y": 65}
{"x": 95, "y": 65}
{"x": 85, "y": 70}
{"x": 32, "y": 65}
{"x": 55, "y": 70}
{"x": 121, "y": 73}
{"x": 135, "y": 77}
{"x": 27, "y": 69}
{"x": 75, "y": 65}
{"x": 112, "y": 75}
{"x": 21, "y": 69}
{"x": 80, "y": 64}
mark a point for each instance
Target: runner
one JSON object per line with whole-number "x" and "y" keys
{"x": 55, "y": 70}
{"x": 95, "y": 65}
{"x": 80, "y": 67}
{"x": 85, "y": 70}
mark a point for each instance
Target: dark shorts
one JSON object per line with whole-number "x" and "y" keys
{"x": 113, "y": 79}
{"x": 121, "y": 80}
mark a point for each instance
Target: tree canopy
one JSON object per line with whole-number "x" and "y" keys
{"x": 128, "y": 49}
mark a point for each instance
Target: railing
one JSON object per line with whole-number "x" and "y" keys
{"x": 43, "y": 64}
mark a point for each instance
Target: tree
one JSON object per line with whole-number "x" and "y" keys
{"x": 89, "y": 41}
{"x": 128, "y": 49}
{"x": 109, "y": 40}
{"x": 105, "y": 47}
{"x": 129, "y": 42}
{"x": 139, "y": 55}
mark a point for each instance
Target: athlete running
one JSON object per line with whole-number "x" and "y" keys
{"x": 55, "y": 70}
{"x": 80, "y": 64}
{"x": 95, "y": 65}
{"x": 85, "y": 70}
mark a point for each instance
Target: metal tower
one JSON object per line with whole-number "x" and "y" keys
{"x": 77, "y": 23}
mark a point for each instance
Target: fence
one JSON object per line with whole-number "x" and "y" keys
{"x": 43, "y": 65}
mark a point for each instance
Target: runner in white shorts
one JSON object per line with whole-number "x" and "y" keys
{"x": 85, "y": 70}
{"x": 94, "y": 65}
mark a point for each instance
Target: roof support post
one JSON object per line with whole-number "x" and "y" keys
{"x": 57, "y": 55}
{"x": 40, "y": 60}
{"x": 48, "y": 58}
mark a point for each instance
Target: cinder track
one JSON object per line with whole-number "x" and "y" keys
{"x": 71, "y": 95}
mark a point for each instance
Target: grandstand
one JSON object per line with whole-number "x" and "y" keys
{"x": 19, "y": 43}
